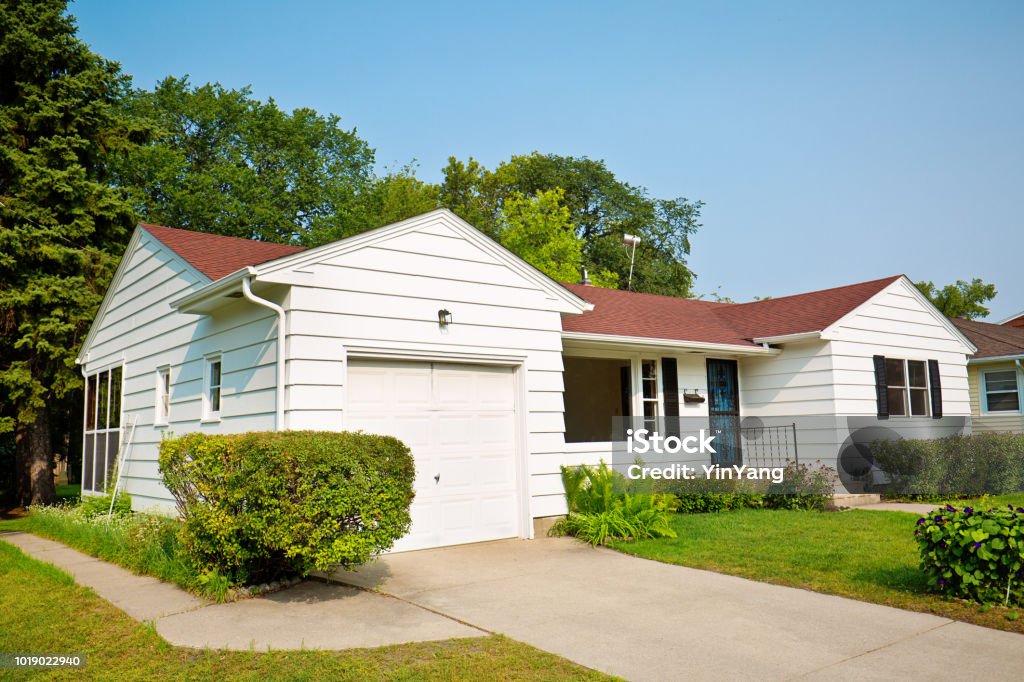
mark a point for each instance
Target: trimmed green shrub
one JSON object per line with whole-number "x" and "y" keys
{"x": 977, "y": 555}
{"x": 260, "y": 506}
{"x": 707, "y": 495}
{"x": 803, "y": 487}
{"x": 956, "y": 466}
{"x": 604, "y": 505}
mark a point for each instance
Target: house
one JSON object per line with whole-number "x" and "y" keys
{"x": 995, "y": 375}
{"x": 494, "y": 374}
{"x": 1016, "y": 321}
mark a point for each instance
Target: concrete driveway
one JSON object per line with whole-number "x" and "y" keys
{"x": 645, "y": 620}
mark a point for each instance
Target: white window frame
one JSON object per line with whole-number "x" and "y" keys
{"x": 985, "y": 392}
{"x": 95, "y": 432}
{"x": 209, "y": 414}
{"x": 907, "y": 388}
{"x": 162, "y": 401}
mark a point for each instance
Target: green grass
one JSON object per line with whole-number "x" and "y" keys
{"x": 141, "y": 543}
{"x": 42, "y": 610}
{"x": 69, "y": 493}
{"x": 866, "y": 555}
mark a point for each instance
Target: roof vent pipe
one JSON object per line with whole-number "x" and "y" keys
{"x": 584, "y": 279}
{"x": 282, "y": 335}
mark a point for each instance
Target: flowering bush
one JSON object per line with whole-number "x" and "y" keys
{"x": 803, "y": 487}
{"x": 975, "y": 555}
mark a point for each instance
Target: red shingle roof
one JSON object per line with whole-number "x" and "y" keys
{"x": 992, "y": 340}
{"x": 617, "y": 313}
{"x": 215, "y": 255}
{"x": 624, "y": 313}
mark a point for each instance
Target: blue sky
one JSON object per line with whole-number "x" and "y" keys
{"x": 832, "y": 142}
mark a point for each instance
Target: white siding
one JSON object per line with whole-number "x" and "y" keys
{"x": 895, "y": 323}
{"x": 386, "y": 296}
{"x": 798, "y": 381}
{"x": 140, "y": 328}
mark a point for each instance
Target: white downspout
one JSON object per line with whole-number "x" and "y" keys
{"x": 282, "y": 335}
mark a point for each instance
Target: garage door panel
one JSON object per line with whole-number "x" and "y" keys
{"x": 459, "y": 421}
{"x": 493, "y": 429}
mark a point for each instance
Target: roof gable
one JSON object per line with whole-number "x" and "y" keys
{"x": 569, "y": 302}
{"x": 215, "y": 255}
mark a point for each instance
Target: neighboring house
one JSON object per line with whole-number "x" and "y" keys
{"x": 996, "y": 376}
{"x": 494, "y": 374}
{"x": 1014, "y": 321}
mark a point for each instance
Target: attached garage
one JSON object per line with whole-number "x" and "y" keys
{"x": 460, "y": 422}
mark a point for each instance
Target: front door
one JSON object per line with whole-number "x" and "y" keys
{"x": 724, "y": 411}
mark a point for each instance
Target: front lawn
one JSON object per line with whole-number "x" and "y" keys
{"x": 865, "y": 555}
{"x": 43, "y": 611}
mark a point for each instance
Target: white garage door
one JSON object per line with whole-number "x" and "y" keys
{"x": 459, "y": 421}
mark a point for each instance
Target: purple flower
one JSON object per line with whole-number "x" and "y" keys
{"x": 917, "y": 532}
{"x": 968, "y": 510}
{"x": 950, "y": 508}
{"x": 1020, "y": 509}
{"x": 942, "y": 581}
{"x": 922, "y": 521}
{"x": 977, "y": 544}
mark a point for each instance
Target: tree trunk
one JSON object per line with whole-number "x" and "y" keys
{"x": 36, "y": 459}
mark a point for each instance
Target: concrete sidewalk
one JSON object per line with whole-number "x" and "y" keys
{"x": 909, "y": 507}
{"x": 645, "y": 620}
{"x": 311, "y": 615}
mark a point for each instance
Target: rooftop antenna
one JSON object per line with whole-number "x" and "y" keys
{"x": 627, "y": 241}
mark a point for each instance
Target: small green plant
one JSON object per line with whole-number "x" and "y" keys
{"x": 977, "y": 555}
{"x": 803, "y": 487}
{"x": 99, "y": 505}
{"x": 602, "y": 507}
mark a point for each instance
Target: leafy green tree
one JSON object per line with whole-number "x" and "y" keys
{"x": 601, "y": 207}
{"x": 394, "y": 197}
{"x": 539, "y": 230}
{"x": 222, "y": 161}
{"x": 461, "y": 191}
{"x": 963, "y": 299}
{"x": 62, "y": 224}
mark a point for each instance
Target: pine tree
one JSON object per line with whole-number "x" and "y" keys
{"x": 62, "y": 224}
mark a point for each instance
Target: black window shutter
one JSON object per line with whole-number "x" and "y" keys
{"x": 881, "y": 387}
{"x": 936, "y": 384}
{"x": 670, "y": 382}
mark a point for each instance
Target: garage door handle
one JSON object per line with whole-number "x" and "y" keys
{"x": 437, "y": 478}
